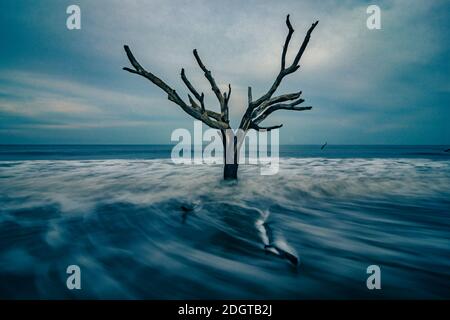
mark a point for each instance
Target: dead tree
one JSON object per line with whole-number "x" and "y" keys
{"x": 257, "y": 110}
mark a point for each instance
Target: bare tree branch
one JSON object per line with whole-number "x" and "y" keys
{"x": 281, "y": 106}
{"x": 282, "y": 98}
{"x": 227, "y": 95}
{"x": 214, "y": 115}
{"x": 258, "y": 128}
{"x": 193, "y": 110}
{"x": 286, "y": 43}
{"x": 226, "y": 99}
{"x": 214, "y": 87}
{"x": 199, "y": 97}
{"x": 293, "y": 67}
{"x": 150, "y": 76}
{"x": 259, "y": 109}
{"x": 271, "y": 101}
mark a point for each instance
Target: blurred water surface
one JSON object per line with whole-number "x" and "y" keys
{"x": 116, "y": 212}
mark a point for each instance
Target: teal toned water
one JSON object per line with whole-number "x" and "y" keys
{"x": 116, "y": 212}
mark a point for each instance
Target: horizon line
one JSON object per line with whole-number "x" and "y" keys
{"x": 170, "y": 144}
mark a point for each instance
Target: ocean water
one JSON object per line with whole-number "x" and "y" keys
{"x": 140, "y": 226}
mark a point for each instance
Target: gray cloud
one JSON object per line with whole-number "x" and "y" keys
{"x": 355, "y": 78}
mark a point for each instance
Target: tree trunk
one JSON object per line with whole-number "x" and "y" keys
{"x": 230, "y": 171}
{"x": 230, "y": 145}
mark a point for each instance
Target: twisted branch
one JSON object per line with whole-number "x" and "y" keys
{"x": 222, "y": 98}
{"x": 210, "y": 118}
{"x": 259, "y": 109}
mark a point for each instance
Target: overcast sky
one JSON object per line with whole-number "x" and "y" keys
{"x": 388, "y": 86}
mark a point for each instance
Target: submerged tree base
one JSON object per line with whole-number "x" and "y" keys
{"x": 230, "y": 171}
